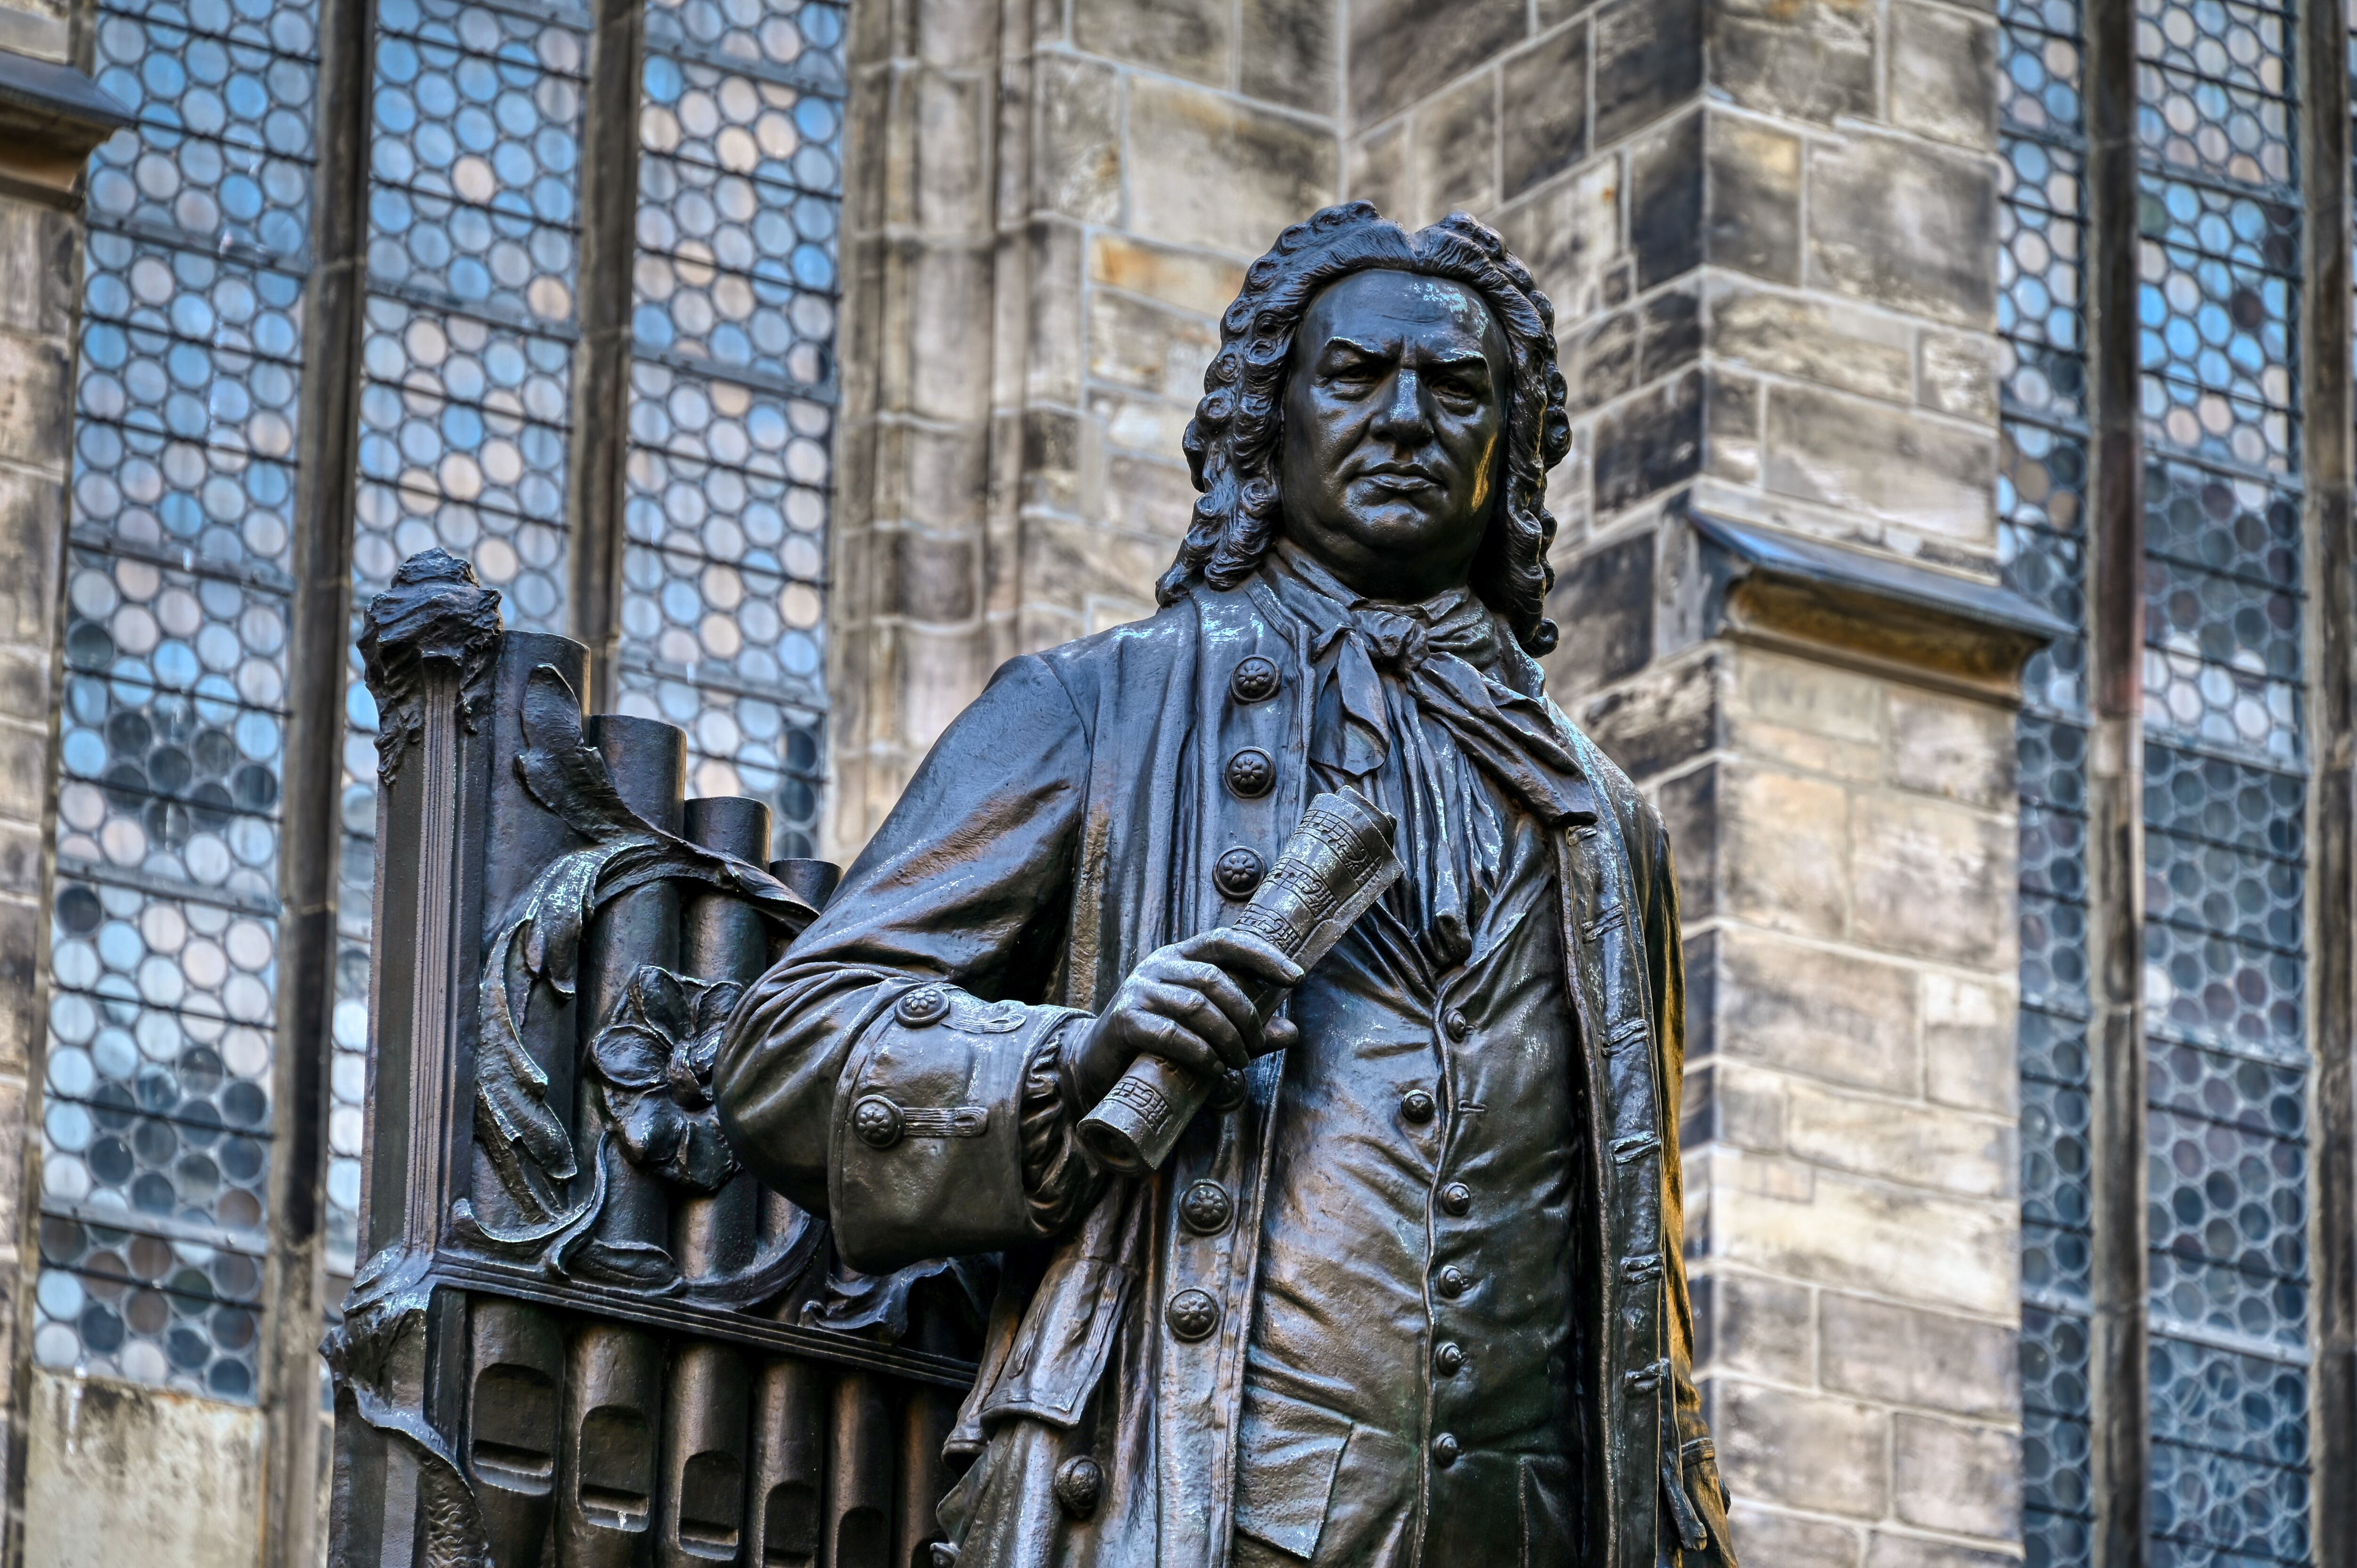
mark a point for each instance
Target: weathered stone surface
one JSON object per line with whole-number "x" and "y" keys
{"x": 1746, "y": 1325}
{"x": 1935, "y": 477}
{"x": 38, "y": 254}
{"x": 1754, "y": 222}
{"x": 1815, "y": 716}
{"x": 1784, "y": 850}
{"x": 1402, "y": 50}
{"x": 1761, "y": 1429}
{"x": 1906, "y": 224}
{"x": 1650, "y": 442}
{"x": 1185, "y": 38}
{"x": 1904, "y": 1355}
{"x": 32, "y": 523}
{"x": 35, "y": 408}
{"x": 1963, "y": 1479}
{"x": 1689, "y": 808}
{"x": 1669, "y": 333}
{"x": 1209, "y": 170}
{"x": 1969, "y": 1057}
{"x": 1051, "y": 372}
{"x": 1891, "y": 1549}
{"x": 1567, "y": 235}
{"x": 1649, "y": 62}
{"x": 1943, "y": 73}
{"x": 1917, "y": 864}
{"x": 1831, "y": 1015}
{"x": 1191, "y": 280}
{"x": 1142, "y": 344}
{"x": 122, "y": 1475}
{"x": 1932, "y": 1146}
{"x": 1957, "y": 374}
{"x": 21, "y": 1021}
{"x": 1076, "y": 149}
{"x": 1379, "y": 173}
{"x": 1731, "y": 1103}
{"x": 1665, "y": 201}
{"x": 1952, "y": 747}
{"x": 1813, "y": 339}
{"x": 1668, "y": 717}
{"x": 1545, "y": 91}
{"x": 1288, "y": 54}
{"x": 1453, "y": 154}
{"x": 1779, "y": 1216}
{"x": 1768, "y": 1540}
{"x": 1148, "y": 496}
{"x": 1808, "y": 60}
{"x": 1731, "y": 434}
{"x": 1153, "y": 427}
{"x": 1601, "y": 362}
{"x": 951, "y": 182}
{"x": 1612, "y": 634}
{"x": 24, "y": 771}
{"x": 932, "y": 576}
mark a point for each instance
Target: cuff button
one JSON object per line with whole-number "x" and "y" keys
{"x": 876, "y": 1121}
{"x": 926, "y": 1004}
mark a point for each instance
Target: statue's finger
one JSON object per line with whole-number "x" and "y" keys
{"x": 1185, "y": 1004}
{"x": 1241, "y": 952}
{"x": 1220, "y": 987}
{"x": 1177, "y": 1045}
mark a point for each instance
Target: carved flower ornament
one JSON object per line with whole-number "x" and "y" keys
{"x": 653, "y": 1059}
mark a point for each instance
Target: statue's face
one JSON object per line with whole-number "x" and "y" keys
{"x": 1395, "y": 404}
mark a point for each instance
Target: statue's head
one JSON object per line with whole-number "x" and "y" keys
{"x": 1391, "y": 402}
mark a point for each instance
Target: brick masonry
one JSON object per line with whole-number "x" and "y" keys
{"x": 1769, "y": 231}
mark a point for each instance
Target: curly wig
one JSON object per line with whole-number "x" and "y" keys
{"x": 1233, "y": 441}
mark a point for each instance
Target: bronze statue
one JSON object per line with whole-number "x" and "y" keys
{"x": 1408, "y": 1289}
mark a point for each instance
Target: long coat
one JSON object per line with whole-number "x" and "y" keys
{"x": 1065, "y": 826}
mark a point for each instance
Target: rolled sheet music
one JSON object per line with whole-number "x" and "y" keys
{"x": 1337, "y": 864}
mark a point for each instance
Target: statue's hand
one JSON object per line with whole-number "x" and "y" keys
{"x": 1184, "y": 1005}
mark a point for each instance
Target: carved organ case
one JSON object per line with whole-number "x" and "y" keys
{"x": 584, "y": 1337}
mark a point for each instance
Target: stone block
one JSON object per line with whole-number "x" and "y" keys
{"x": 1813, "y": 339}
{"x": 1206, "y": 169}
{"x": 1051, "y": 371}
{"x": 1669, "y": 334}
{"x": 1809, "y": 60}
{"x": 950, "y": 180}
{"x": 1784, "y": 850}
{"x": 1665, "y": 201}
{"x": 1076, "y": 147}
{"x": 961, "y": 34}
{"x": 1904, "y": 1355}
{"x": 32, "y": 535}
{"x": 24, "y": 771}
{"x": 1778, "y": 1216}
{"x": 1932, "y": 1146}
{"x": 1732, "y": 1103}
{"x": 1803, "y": 1451}
{"x": 21, "y": 921}
{"x": 1403, "y": 51}
{"x": 1567, "y": 232}
{"x": 950, "y": 295}
{"x": 1943, "y": 70}
{"x": 1288, "y": 53}
{"x": 1453, "y": 151}
{"x": 1649, "y": 443}
{"x": 1667, "y": 718}
{"x": 1771, "y": 1539}
{"x": 20, "y": 858}
{"x": 1813, "y": 715}
{"x": 1649, "y": 56}
{"x": 40, "y": 256}
{"x": 1957, "y": 374}
{"x": 1934, "y": 880}
{"x": 1752, "y": 1326}
{"x": 1731, "y": 435}
{"x": 1148, "y": 497}
{"x": 932, "y": 576}
{"x": 1952, "y": 747}
{"x": 1896, "y": 463}
{"x": 1186, "y": 37}
{"x": 36, "y": 410}
{"x": 1891, "y": 1549}
{"x": 1689, "y": 808}
{"x": 1905, "y": 224}
{"x": 1834, "y": 1017}
{"x": 1144, "y": 424}
{"x": 1602, "y": 360}
{"x": 1379, "y": 173}
{"x": 1754, "y": 222}
{"x": 1191, "y": 280}
{"x": 1969, "y": 1054}
{"x": 1603, "y": 603}
{"x": 1545, "y": 130}
{"x": 1139, "y": 344}
{"x": 1052, "y": 460}
{"x": 946, "y": 472}
{"x": 116, "y": 1473}
{"x": 1965, "y": 1480}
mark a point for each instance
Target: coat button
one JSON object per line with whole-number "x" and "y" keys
{"x": 1192, "y": 1315}
{"x": 1454, "y": 1282}
{"x": 1448, "y": 1359}
{"x": 1254, "y": 679}
{"x": 1445, "y": 1450}
{"x": 1457, "y": 1197}
{"x": 1457, "y": 1024}
{"x": 1080, "y": 1485}
{"x": 1238, "y": 872}
{"x": 1206, "y": 1209}
{"x": 1251, "y": 773}
{"x": 926, "y": 1004}
{"x": 1227, "y": 1091}
{"x": 1419, "y": 1107}
{"x": 876, "y": 1121}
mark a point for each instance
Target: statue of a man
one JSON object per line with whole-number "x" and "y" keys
{"x": 1409, "y": 1291}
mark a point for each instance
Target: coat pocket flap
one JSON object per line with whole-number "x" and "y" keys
{"x": 1288, "y": 1452}
{"x": 1059, "y": 1351}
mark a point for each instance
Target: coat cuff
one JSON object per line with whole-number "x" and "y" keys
{"x": 928, "y": 1141}
{"x": 1060, "y": 1178}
